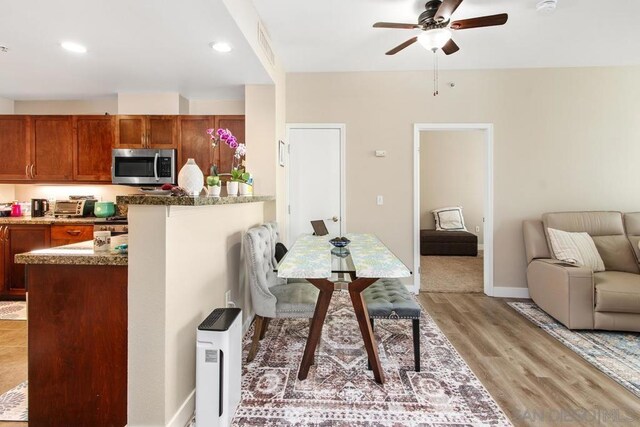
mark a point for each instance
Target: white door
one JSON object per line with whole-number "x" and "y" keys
{"x": 316, "y": 168}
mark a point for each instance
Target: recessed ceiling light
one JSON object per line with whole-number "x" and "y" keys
{"x": 220, "y": 47}
{"x": 73, "y": 47}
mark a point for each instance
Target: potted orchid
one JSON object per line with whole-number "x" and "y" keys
{"x": 240, "y": 179}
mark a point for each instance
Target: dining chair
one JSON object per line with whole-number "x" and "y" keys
{"x": 272, "y": 298}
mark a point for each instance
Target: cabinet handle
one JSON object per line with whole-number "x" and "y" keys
{"x": 4, "y": 235}
{"x": 74, "y": 232}
{"x": 26, "y": 170}
{"x": 31, "y": 170}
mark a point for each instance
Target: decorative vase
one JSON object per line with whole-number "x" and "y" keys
{"x": 245, "y": 189}
{"x": 214, "y": 190}
{"x": 191, "y": 178}
{"x": 232, "y": 188}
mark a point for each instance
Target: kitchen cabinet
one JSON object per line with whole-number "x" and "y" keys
{"x": 18, "y": 239}
{"x": 158, "y": 132}
{"x": 94, "y": 136}
{"x": 15, "y": 148}
{"x": 52, "y": 148}
{"x": 194, "y": 141}
{"x": 223, "y": 154}
{"x": 68, "y": 234}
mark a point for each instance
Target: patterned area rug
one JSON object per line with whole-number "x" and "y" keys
{"x": 13, "y": 404}
{"x": 13, "y": 310}
{"x": 617, "y": 354}
{"x": 340, "y": 391}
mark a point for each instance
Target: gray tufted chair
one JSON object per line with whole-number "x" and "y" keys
{"x": 270, "y": 297}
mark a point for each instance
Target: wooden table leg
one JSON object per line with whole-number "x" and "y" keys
{"x": 355, "y": 292}
{"x": 326, "y": 288}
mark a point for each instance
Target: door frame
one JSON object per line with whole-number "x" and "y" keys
{"x": 487, "y": 128}
{"x": 343, "y": 186}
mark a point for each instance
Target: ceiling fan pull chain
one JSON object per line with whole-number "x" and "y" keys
{"x": 435, "y": 73}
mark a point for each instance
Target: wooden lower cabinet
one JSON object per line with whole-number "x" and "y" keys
{"x": 77, "y": 345}
{"x": 68, "y": 234}
{"x": 19, "y": 239}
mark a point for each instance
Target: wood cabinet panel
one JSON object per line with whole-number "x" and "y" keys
{"x": 194, "y": 141}
{"x": 94, "y": 138}
{"x": 130, "y": 131}
{"x": 22, "y": 238}
{"x": 52, "y": 145}
{"x": 4, "y": 258}
{"x": 67, "y": 234}
{"x": 224, "y": 154}
{"x": 162, "y": 132}
{"x": 15, "y": 148}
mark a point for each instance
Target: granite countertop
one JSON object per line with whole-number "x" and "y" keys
{"x": 76, "y": 254}
{"x": 143, "y": 199}
{"x": 46, "y": 220}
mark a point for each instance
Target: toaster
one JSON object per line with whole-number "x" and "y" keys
{"x": 74, "y": 208}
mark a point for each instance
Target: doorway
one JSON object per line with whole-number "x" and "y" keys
{"x": 453, "y": 169}
{"x": 316, "y": 178}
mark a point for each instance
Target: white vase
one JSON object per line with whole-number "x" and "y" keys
{"x": 191, "y": 178}
{"x": 214, "y": 190}
{"x": 232, "y": 188}
{"x": 245, "y": 189}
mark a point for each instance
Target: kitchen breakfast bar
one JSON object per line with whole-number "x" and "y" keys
{"x": 112, "y": 337}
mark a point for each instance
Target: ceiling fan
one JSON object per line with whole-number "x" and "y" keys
{"x": 436, "y": 23}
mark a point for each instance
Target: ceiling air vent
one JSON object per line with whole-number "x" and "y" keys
{"x": 263, "y": 40}
{"x": 4, "y": 49}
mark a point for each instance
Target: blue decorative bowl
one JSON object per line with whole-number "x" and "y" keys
{"x": 340, "y": 242}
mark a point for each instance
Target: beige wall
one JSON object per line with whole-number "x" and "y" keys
{"x": 213, "y": 106}
{"x": 149, "y": 103}
{"x": 24, "y": 192}
{"x": 6, "y": 106}
{"x": 452, "y": 165}
{"x": 565, "y": 139}
{"x": 260, "y": 128}
{"x": 108, "y": 104}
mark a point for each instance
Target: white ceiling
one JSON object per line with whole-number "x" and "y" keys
{"x": 336, "y": 35}
{"x": 133, "y": 46}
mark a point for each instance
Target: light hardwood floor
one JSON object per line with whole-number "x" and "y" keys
{"x": 527, "y": 371}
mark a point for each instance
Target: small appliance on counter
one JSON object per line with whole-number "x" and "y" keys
{"x": 5, "y": 209}
{"x": 39, "y": 207}
{"x": 75, "y": 207}
{"x": 104, "y": 209}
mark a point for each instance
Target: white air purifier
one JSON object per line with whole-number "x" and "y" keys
{"x": 218, "y": 367}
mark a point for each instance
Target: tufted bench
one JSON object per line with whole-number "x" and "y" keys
{"x": 390, "y": 299}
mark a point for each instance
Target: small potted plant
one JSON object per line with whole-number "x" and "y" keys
{"x": 214, "y": 185}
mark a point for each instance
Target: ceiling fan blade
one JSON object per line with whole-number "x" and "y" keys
{"x": 446, "y": 9}
{"x": 450, "y": 47}
{"x": 481, "y": 21}
{"x": 401, "y": 46}
{"x": 395, "y": 25}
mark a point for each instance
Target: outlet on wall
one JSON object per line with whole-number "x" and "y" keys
{"x": 477, "y": 228}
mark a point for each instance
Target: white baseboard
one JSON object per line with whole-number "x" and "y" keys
{"x": 510, "y": 292}
{"x": 183, "y": 416}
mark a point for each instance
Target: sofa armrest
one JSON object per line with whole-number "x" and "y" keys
{"x": 564, "y": 291}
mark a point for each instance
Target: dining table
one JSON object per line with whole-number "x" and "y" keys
{"x": 365, "y": 260}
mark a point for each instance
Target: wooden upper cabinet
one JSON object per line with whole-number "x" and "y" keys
{"x": 194, "y": 141}
{"x": 15, "y": 148}
{"x": 131, "y": 131}
{"x": 93, "y": 139}
{"x": 223, "y": 156}
{"x": 52, "y": 147}
{"x": 162, "y": 132}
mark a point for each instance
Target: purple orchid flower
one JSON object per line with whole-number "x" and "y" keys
{"x": 210, "y": 132}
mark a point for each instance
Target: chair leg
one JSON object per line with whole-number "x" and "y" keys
{"x": 265, "y": 325}
{"x": 259, "y": 321}
{"x": 416, "y": 343}
{"x": 372, "y": 329}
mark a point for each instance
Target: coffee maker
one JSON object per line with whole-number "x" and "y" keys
{"x": 39, "y": 207}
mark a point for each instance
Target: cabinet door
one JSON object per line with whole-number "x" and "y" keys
{"x": 68, "y": 234}
{"x": 224, "y": 154}
{"x": 94, "y": 138}
{"x": 131, "y": 131}
{"x": 52, "y": 147}
{"x": 22, "y": 238}
{"x": 15, "y": 148}
{"x": 4, "y": 257}
{"x": 162, "y": 132}
{"x": 194, "y": 141}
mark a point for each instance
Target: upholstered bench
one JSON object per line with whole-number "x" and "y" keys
{"x": 390, "y": 299}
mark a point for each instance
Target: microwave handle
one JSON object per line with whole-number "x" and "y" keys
{"x": 155, "y": 167}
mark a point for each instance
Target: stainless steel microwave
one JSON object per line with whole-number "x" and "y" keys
{"x": 143, "y": 166}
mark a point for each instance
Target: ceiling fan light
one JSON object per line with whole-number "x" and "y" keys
{"x": 434, "y": 39}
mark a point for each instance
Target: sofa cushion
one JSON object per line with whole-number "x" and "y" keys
{"x": 575, "y": 248}
{"x": 617, "y": 253}
{"x": 617, "y": 291}
{"x": 632, "y": 226}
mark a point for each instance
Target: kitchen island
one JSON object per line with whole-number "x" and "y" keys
{"x": 77, "y": 345}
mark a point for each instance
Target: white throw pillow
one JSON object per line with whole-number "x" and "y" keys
{"x": 449, "y": 219}
{"x": 575, "y": 248}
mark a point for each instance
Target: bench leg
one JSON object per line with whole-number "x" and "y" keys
{"x": 416, "y": 343}
{"x": 372, "y": 328}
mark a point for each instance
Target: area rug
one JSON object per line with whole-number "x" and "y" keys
{"x": 617, "y": 354}
{"x": 13, "y": 310}
{"x": 340, "y": 391}
{"x": 13, "y": 404}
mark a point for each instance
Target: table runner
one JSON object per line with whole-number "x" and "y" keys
{"x": 309, "y": 258}
{"x": 373, "y": 259}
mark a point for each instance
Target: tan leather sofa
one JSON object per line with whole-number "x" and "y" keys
{"x": 575, "y": 296}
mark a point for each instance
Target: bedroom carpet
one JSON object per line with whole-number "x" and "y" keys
{"x": 13, "y": 310}
{"x": 340, "y": 391}
{"x": 461, "y": 274}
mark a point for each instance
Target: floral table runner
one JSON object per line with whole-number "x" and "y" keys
{"x": 309, "y": 258}
{"x": 373, "y": 259}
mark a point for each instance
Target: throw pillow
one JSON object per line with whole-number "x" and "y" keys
{"x": 575, "y": 248}
{"x": 449, "y": 219}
